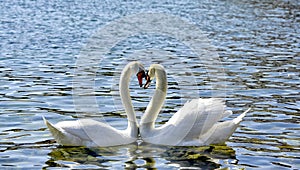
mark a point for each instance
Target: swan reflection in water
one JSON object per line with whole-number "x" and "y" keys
{"x": 140, "y": 156}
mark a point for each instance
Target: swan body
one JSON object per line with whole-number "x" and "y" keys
{"x": 197, "y": 123}
{"x": 92, "y": 133}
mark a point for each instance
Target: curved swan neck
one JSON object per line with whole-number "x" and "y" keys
{"x": 125, "y": 95}
{"x": 158, "y": 98}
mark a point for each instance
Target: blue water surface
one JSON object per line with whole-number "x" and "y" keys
{"x": 258, "y": 43}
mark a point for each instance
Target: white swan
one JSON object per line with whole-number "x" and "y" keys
{"x": 196, "y": 123}
{"x": 91, "y": 133}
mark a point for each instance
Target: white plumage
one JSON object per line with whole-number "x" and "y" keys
{"x": 92, "y": 133}
{"x": 196, "y": 123}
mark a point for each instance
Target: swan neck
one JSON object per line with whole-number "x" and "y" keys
{"x": 125, "y": 97}
{"x": 157, "y": 100}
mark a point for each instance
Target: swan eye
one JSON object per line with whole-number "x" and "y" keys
{"x": 140, "y": 75}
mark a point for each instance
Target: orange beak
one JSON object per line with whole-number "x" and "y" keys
{"x": 140, "y": 75}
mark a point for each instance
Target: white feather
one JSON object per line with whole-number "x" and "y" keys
{"x": 196, "y": 123}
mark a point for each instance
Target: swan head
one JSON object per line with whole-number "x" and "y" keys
{"x": 140, "y": 72}
{"x": 156, "y": 71}
{"x": 150, "y": 75}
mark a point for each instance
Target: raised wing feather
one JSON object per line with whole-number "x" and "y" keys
{"x": 194, "y": 118}
{"x": 205, "y": 113}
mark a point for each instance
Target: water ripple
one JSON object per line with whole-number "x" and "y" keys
{"x": 258, "y": 45}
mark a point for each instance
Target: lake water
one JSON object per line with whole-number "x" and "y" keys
{"x": 258, "y": 43}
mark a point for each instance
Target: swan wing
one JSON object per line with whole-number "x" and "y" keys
{"x": 102, "y": 134}
{"x": 199, "y": 115}
{"x": 221, "y": 131}
{"x": 195, "y": 117}
{"x": 88, "y": 132}
{"x": 195, "y": 124}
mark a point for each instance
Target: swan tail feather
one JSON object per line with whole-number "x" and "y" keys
{"x": 56, "y": 133}
{"x": 221, "y": 131}
{"x": 240, "y": 117}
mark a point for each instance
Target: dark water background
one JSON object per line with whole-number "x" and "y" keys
{"x": 259, "y": 47}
